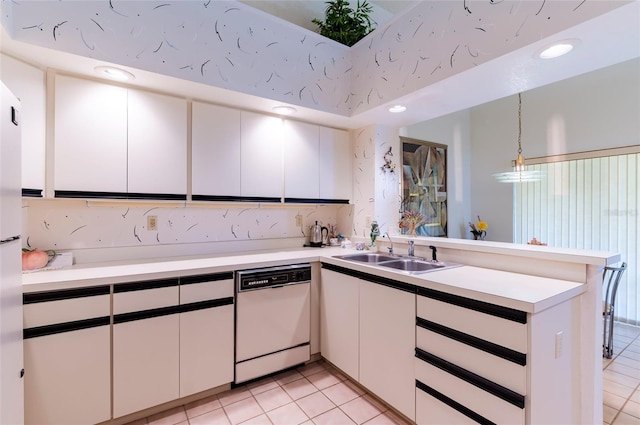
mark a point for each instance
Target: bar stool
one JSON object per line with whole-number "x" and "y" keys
{"x": 610, "y": 280}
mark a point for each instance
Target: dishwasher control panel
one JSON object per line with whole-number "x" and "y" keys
{"x": 270, "y": 277}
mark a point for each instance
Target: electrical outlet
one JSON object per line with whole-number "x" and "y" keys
{"x": 299, "y": 220}
{"x": 558, "y": 344}
{"x": 152, "y": 222}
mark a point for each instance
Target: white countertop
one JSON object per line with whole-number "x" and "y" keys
{"x": 522, "y": 292}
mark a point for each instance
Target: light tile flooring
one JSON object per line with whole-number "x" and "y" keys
{"x": 314, "y": 394}
{"x": 621, "y": 386}
{"x": 319, "y": 394}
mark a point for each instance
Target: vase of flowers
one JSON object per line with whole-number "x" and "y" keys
{"x": 479, "y": 229}
{"x": 411, "y": 220}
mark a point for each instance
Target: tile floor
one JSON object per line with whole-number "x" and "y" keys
{"x": 319, "y": 394}
{"x": 314, "y": 394}
{"x": 621, "y": 374}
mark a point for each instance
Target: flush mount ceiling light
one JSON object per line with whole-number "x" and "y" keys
{"x": 397, "y": 109}
{"x": 557, "y": 49}
{"x": 519, "y": 174}
{"x": 284, "y": 110}
{"x": 114, "y": 73}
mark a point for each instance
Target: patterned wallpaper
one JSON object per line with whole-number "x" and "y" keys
{"x": 78, "y": 225}
{"x": 224, "y": 44}
{"x": 438, "y": 39}
{"x": 233, "y": 46}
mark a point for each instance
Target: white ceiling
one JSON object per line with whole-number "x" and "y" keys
{"x": 609, "y": 39}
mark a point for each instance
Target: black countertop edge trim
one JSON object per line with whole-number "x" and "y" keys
{"x": 475, "y": 342}
{"x": 315, "y": 201}
{"x": 201, "y": 305}
{"x": 145, "y": 314}
{"x": 201, "y": 278}
{"x": 145, "y": 284}
{"x": 31, "y": 193}
{"x": 483, "y": 383}
{"x": 65, "y": 327}
{"x": 454, "y": 404}
{"x": 64, "y": 294}
{"x": 407, "y": 287}
{"x": 221, "y": 198}
{"x": 481, "y": 306}
{"x": 86, "y": 194}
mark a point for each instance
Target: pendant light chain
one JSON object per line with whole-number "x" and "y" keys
{"x": 519, "y": 123}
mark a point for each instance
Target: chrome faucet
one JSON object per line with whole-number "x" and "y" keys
{"x": 386, "y": 234}
{"x": 410, "y": 251}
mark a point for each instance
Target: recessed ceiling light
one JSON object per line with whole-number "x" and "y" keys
{"x": 114, "y": 73}
{"x": 397, "y": 109}
{"x": 284, "y": 110}
{"x": 557, "y": 49}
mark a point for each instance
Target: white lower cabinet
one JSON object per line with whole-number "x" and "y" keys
{"x": 206, "y": 332}
{"x": 67, "y": 357}
{"x": 471, "y": 361}
{"x": 146, "y": 345}
{"x": 339, "y": 330}
{"x": 387, "y": 344}
{"x": 368, "y": 331}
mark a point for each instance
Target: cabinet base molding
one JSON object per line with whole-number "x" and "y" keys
{"x": 166, "y": 406}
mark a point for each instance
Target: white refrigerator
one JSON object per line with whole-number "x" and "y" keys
{"x": 11, "y": 360}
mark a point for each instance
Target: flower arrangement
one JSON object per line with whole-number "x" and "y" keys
{"x": 479, "y": 229}
{"x": 411, "y": 219}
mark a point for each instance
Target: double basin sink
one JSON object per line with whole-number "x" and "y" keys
{"x": 410, "y": 265}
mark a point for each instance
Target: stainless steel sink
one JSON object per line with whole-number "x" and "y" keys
{"x": 413, "y": 265}
{"x": 370, "y": 257}
{"x": 410, "y": 265}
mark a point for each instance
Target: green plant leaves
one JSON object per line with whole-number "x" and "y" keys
{"x": 343, "y": 24}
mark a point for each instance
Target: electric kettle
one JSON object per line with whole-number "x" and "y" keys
{"x": 318, "y": 234}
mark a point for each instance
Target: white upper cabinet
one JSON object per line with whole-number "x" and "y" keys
{"x": 335, "y": 164}
{"x": 116, "y": 140}
{"x": 27, "y": 84}
{"x": 261, "y": 156}
{"x": 301, "y": 160}
{"x": 157, "y": 135}
{"x": 215, "y": 151}
{"x": 90, "y": 136}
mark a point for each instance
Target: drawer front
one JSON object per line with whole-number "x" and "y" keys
{"x": 148, "y": 299}
{"x": 507, "y": 333}
{"x": 205, "y": 291}
{"x": 497, "y": 369}
{"x": 66, "y": 310}
{"x": 477, "y": 399}
{"x": 432, "y": 410}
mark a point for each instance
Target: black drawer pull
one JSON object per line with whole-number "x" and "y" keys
{"x": 453, "y": 404}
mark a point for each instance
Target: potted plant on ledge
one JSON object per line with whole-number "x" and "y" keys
{"x": 343, "y": 24}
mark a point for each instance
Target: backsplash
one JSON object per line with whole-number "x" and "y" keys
{"x": 181, "y": 230}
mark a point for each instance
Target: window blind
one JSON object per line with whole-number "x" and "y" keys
{"x": 589, "y": 203}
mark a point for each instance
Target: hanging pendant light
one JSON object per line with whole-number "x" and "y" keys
{"x": 519, "y": 174}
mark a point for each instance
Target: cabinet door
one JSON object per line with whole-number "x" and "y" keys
{"x": 206, "y": 334}
{"x": 261, "y": 156}
{"x": 67, "y": 377}
{"x": 27, "y": 84}
{"x": 339, "y": 339}
{"x": 301, "y": 163}
{"x": 335, "y": 164}
{"x": 67, "y": 357}
{"x": 387, "y": 344}
{"x": 145, "y": 348}
{"x": 215, "y": 151}
{"x": 157, "y": 134}
{"x": 90, "y": 136}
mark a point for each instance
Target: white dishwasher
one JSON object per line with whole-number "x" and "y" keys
{"x": 272, "y": 320}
